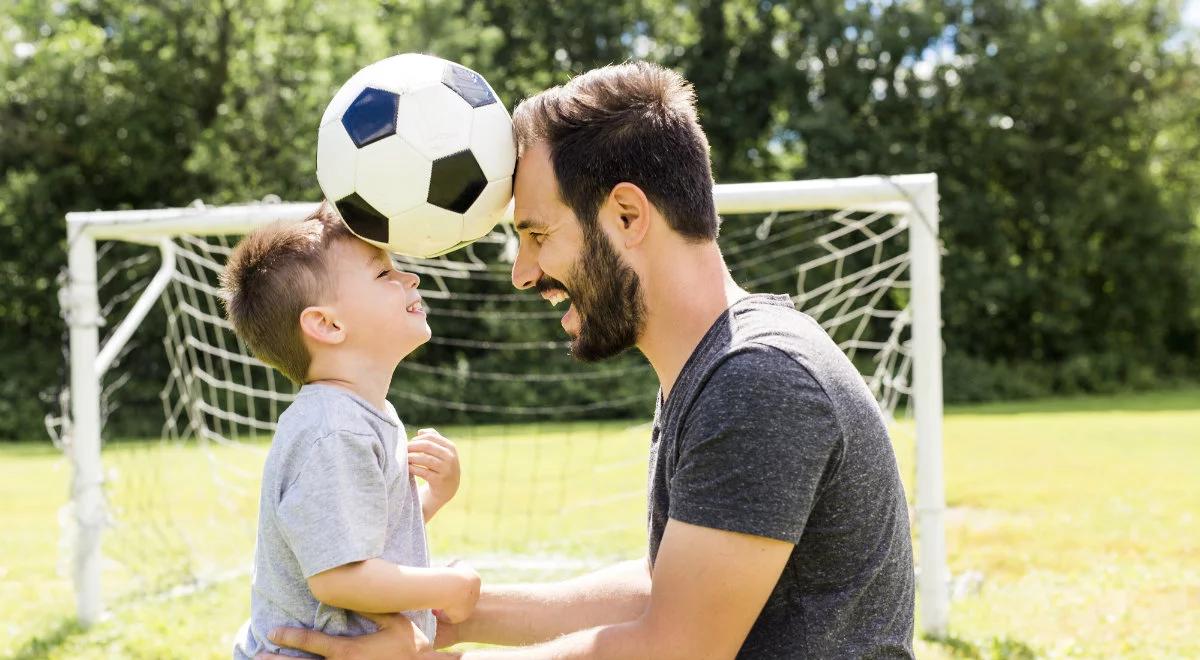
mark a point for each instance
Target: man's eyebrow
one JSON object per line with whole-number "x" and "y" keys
{"x": 530, "y": 223}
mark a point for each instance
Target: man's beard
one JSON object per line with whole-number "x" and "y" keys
{"x": 608, "y": 299}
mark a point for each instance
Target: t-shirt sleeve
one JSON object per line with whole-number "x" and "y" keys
{"x": 334, "y": 510}
{"x": 755, "y": 447}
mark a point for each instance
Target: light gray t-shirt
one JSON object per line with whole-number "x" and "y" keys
{"x": 335, "y": 490}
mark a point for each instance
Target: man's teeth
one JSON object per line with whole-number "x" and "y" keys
{"x": 557, "y": 298}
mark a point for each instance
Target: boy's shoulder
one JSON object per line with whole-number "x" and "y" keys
{"x": 319, "y": 412}
{"x": 326, "y": 409}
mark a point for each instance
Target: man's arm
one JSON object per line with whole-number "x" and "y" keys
{"x": 709, "y": 586}
{"x": 511, "y": 615}
{"x": 514, "y": 615}
{"x": 379, "y": 586}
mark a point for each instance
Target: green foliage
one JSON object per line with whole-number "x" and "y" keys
{"x": 1064, "y": 133}
{"x": 972, "y": 380}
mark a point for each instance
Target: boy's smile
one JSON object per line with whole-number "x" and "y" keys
{"x": 384, "y": 313}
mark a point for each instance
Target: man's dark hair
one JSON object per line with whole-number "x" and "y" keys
{"x": 633, "y": 122}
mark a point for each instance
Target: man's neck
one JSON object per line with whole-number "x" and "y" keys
{"x": 365, "y": 377}
{"x": 684, "y": 297}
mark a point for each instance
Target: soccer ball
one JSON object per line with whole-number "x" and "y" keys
{"x": 417, "y": 154}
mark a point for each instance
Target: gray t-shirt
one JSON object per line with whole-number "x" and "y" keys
{"x": 769, "y": 430}
{"x": 335, "y": 490}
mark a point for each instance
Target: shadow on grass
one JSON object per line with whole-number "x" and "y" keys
{"x": 1183, "y": 399}
{"x": 42, "y": 644}
{"x": 996, "y": 648}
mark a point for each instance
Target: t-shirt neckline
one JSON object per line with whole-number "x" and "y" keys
{"x": 389, "y": 415}
{"x": 720, "y": 322}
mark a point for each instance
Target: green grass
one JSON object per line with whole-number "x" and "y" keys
{"x": 1077, "y": 517}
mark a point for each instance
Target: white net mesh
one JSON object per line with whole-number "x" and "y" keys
{"x": 553, "y": 450}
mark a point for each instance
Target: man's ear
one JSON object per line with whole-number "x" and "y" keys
{"x": 320, "y": 325}
{"x": 629, "y": 207}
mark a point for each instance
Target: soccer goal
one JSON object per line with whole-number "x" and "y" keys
{"x": 554, "y": 452}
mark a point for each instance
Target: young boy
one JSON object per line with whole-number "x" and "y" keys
{"x": 341, "y": 521}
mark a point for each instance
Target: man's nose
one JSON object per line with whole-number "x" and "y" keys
{"x": 525, "y": 271}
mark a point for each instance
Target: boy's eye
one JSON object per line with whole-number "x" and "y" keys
{"x": 383, "y": 273}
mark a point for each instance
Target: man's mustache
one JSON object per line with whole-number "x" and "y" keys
{"x": 546, "y": 283}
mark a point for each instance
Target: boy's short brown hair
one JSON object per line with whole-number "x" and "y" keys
{"x": 272, "y": 275}
{"x": 632, "y": 122}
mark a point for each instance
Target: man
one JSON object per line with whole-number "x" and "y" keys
{"x": 777, "y": 521}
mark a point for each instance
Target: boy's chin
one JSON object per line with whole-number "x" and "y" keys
{"x": 417, "y": 337}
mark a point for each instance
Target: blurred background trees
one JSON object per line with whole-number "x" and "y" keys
{"x": 1066, "y": 135}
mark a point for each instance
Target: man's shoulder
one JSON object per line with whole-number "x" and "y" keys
{"x": 773, "y": 321}
{"x": 776, "y": 324}
{"x": 758, "y": 380}
{"x": 767, "y": 338}
{"x": 757, "y": 361}
{"x": 772, "y": 356}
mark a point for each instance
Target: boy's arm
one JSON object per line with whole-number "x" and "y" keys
{"x": 376, "y": 585}
{"x": 334, "y": 518}
{"x": 430, "y": 504}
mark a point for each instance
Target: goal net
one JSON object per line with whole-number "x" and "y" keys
{"x": 553, "y": 451}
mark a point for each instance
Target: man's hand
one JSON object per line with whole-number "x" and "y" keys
{"x": 397, "y": 639}
{"x": 448, "y": 633}
{"x": 435, "y": 459}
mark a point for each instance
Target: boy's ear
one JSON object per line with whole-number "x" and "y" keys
{"x": 630, "y": 208}
{"x": 320, "y": 325}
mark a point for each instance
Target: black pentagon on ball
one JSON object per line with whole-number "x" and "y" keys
{"x": 456, "y": 182}
{"x": 371, "y": 117}
{"x": 362, "y": 218}
{"x": 469, "y": 85}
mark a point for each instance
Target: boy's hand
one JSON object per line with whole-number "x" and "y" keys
{"x": 435, "y": 459}
{"x": 463, "y": 594}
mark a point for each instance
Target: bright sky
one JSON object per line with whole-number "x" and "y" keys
{"x": 1191, "y": 13}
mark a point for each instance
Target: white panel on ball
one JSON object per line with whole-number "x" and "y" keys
{"x": 392, "y": 177}
{"x": 407, "y": 72}
{"x": 435, "y": 120}
{"x": 424, "y": 231}
{"x": 487, "y": 209}
{"x": 336, "y": 168}
{"x": 492, "y": 141}
{"x": 347, "y": 93}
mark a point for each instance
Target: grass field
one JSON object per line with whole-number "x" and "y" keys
{"x": 1073, "y": 529}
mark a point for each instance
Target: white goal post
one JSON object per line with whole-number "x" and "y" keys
{"x": 913, "y": 198}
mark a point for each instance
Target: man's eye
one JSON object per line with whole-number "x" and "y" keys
{"x": 537, "y": 238}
